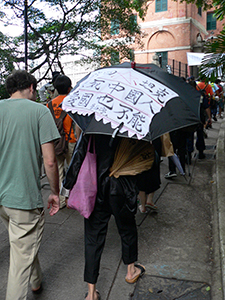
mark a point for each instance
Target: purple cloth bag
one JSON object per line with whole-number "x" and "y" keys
{"x": 83, "y": 194}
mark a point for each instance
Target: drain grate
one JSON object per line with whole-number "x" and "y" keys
{"x": 158, "y": 288}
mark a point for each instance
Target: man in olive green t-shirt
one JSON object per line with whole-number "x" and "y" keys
{"x": 27, "y": 132}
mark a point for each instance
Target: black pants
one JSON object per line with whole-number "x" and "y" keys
{"x": 200, "y": 142}
{"x": 179, "y": 141}
{"x": 95, "y": 234}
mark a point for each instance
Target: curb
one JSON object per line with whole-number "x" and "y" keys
{"x": 220, "y": 179}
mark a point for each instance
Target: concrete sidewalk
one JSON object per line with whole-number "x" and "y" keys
{"x": 181, "y": 246}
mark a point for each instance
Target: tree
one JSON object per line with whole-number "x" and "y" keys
{"x": 74, "y": 27}
{"x": 7, "y": 58}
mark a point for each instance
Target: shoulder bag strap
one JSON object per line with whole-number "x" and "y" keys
{"x": 70, "y": 131}
{"x": 51, "y": 109}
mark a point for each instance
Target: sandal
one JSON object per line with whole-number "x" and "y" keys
{"x": 99, "y": 296}
{"x": 151, "y": 206}
{"x": 133, "y": 280}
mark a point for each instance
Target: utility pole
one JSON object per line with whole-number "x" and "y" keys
{"x": 25, "y": 34}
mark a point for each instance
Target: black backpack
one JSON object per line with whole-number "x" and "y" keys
{"x": 60, "y": 145}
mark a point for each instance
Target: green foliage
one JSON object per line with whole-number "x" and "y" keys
{"x": 219, "y": 6}
{"x": 216, "y": 45}
{"x": 3, "y": 93}
{"x": 71, "y": 27}
{"x": 205, "y": 4}
{"x": 213, "y": 66}
{"x": 7, "y": 58}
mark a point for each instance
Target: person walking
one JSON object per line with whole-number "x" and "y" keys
{"x": 149, "y": 181}
{"x": 63, "y": 85}
{"x": 115, "y": 196}
{"x": 179, "y": 140}
{"x": 27, "y": 131}
{"x": 204, "y": 87}
{"x": 214, "y": 100}
{"x": 221, "y": 98}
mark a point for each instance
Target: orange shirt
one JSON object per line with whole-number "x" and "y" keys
{"x": 67, "y": 121}
{"x": 208, "y": 89}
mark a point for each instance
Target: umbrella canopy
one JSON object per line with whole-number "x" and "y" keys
{"x": 142, "y": 102}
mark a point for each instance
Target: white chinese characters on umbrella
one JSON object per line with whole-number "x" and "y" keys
{"x": 120, "y": 95}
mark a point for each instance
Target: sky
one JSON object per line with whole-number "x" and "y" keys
{"x": 10, "y": 30}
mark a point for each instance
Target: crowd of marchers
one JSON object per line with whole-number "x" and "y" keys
{"x": 49, "y": 137}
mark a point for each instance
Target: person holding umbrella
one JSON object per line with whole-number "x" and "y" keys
{"x": 115, "y": 196}
{"x": 129, "y": 101}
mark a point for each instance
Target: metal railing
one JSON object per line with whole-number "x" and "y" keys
{"x": 177, "y": 68}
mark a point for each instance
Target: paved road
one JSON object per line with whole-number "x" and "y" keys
{"x": 180, "y": 245}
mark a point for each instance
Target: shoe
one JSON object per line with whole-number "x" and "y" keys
{"x": 209, "y": 124}
{"x": 170, "y": 175}
{"x": 215, "y": 118}
{"x": 99, "y": 296}
{"x": 133, "y": 280}
{"x": 201, "y": 155}
{"x": 140, "y": 209}
{"x": 151, "y": 206}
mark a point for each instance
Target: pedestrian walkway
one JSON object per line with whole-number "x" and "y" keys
{"x": 179, "y": 245}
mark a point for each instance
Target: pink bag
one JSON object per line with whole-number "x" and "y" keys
{"x": 83, "y": 194}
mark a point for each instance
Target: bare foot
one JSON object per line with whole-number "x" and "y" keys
{"x": 136, "y": 273}
{"x": 142, "y": 209}
{"x": 94, "y": 296}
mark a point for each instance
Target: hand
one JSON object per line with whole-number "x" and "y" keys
{"x": 53, "y": 204}
{"x": 66, "y": 200}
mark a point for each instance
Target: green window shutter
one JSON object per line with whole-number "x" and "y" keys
{"x": 164, "y": 5}
{"x": 157, "y": 5}
{"x": 115, "y": 58}
{"x": 132, "y": 55}
{"x": 115, "y": 27}
{"x": 133, "y": 22}
{"x": 211, "y": 21}
{"x": 160, "y": 5}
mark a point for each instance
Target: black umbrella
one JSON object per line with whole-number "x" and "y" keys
{"x": 133, "y": 100}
